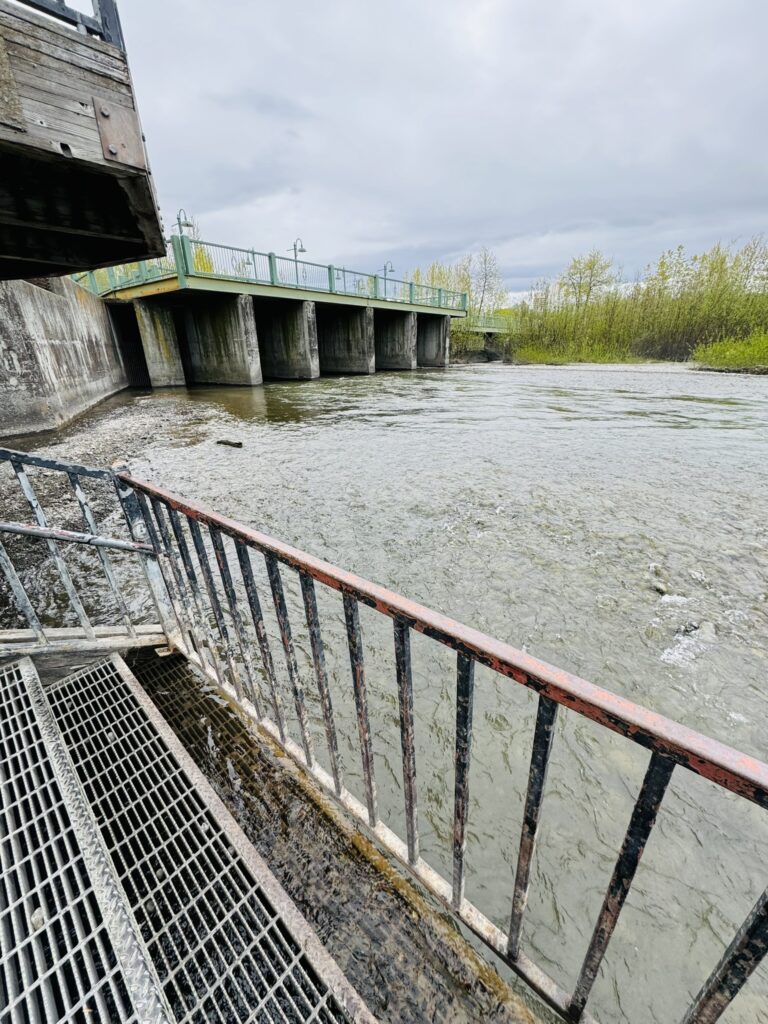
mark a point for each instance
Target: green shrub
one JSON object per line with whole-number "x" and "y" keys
{"x": 750, "y": 353}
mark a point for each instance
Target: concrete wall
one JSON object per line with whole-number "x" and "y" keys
{"x": 433, "y": 339}
{"x": 395, "y": 335}
{"x": 287, "y": 331}
{"x": 222, "y": 346}
{"x": 345, "y": 339}
{"x": 58, "y": 354}
{"x": 160, "y": 343}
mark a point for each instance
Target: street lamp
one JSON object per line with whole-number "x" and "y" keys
{"x": 183, "y": 221}
{"x": 298, "y": 246}
{"x": 387, "y": 268}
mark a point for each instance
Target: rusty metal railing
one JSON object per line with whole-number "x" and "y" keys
{"x": 86, "y": 635}
{"x": 217, "y": 633}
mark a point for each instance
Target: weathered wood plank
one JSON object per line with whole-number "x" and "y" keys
{"x": 43, "y": 92}
{"x": 72, "y": 82}
{"x": 19, "y": 48}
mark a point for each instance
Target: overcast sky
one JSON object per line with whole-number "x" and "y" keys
{"x": 415, "y": 131}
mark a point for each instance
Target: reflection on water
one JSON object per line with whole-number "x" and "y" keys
{"x": 609, "y": 520}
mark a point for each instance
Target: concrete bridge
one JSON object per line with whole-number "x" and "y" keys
{"x": 214, "y": 314}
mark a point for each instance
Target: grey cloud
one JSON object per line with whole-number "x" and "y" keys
{"x": 418, "y": 131}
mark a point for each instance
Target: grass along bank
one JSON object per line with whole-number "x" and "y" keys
{"x": 711, "y": 308}
{"x": 748, "y": 354}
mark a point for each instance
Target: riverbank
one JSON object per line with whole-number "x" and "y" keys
{"x": 721, "y": 357}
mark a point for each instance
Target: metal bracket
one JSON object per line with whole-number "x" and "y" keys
{"x": 120, "y": 133}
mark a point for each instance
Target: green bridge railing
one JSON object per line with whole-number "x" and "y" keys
{"x": 189, "y": 258}
{"x": 486, "y": 322}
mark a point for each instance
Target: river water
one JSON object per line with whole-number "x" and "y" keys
{"x": 611, "y": 521}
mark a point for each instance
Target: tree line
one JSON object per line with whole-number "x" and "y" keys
{"x": 681, "y": 307}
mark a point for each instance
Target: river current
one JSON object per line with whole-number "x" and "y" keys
{"x": 611, "y": 521}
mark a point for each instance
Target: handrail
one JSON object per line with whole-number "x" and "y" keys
{"x": 170, "y": 519}
{"x": 52, "y": 537}
{"x": 192, "y": 258}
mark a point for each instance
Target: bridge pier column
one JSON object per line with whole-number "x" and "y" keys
{"x": 287, "y": 331}
{"x": 433, "y": 339}
{"x": 395, "y": 339}
{"x": 221, "y": 340}
{"x": 345, "y": 339}
{"x": 160, "y": 343}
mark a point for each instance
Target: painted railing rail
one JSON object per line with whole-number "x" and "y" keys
{"x": 190, "y": 258}
{"x": 224, "y": 646}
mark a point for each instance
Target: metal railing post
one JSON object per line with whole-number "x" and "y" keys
{"x": 331, "y": 278}
{"x": 440, "y": 297}
{"x": 178, "y": 259}
{"x": 376, "y": 293}
{"x": 412, "y": 292}
{"x": 273, "y": 268}
{"x": 188, "y": 259}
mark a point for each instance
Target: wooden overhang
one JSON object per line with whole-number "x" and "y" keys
{"x": 75, "y": 187}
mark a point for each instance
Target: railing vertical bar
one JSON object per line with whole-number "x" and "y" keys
{"x": 357, "y": 663}
{"x": 281, "y": 610}
{"x": 465, "y": 687}
{"x": 194, "y": 586}
{"x": 53, "y": 548}
{"x": 106, "y": 562}
{"x": 129, "y": 503}
{"x": 175, "y": 599}
{"x": 318, "y": 656}
{"x": 181, "y": 586}
{"x": 641, "y": 823}
{"x": 213, "y": 597}
{"x": 246, "y": 570}
{"x": 546, "y": 715}
{"x": 744, "y": 954}
{"x": 20, "y": 595}
{"x": 237, "y": 619}
{"x": 405, "y": 700}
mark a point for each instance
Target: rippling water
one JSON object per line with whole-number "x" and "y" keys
{"x": 609, "y": 520}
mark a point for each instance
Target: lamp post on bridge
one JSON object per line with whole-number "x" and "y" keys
{"x": 387, "y": 268}
{"x": 183, "y": 221}
{"x": 298, "y": 246}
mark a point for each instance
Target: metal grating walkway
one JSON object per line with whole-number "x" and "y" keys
{"x": 225, "y": 941}
{"x": 128, "y": 892}
{"x": 61, "y": 917}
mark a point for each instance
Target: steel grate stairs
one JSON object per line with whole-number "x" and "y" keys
{"x": 128, "y": 891}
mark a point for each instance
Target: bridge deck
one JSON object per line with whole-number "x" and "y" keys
{"x": 208, "y": 266}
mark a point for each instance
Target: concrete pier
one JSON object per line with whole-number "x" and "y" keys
{"x": 345, "y": 339}
{"x": 395, "y": 338}
{"x": 160, "y": 343}
{"x": 287, "y": 332}
{"x": 433, "y": 339}
{"x": 221, "y": 342}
